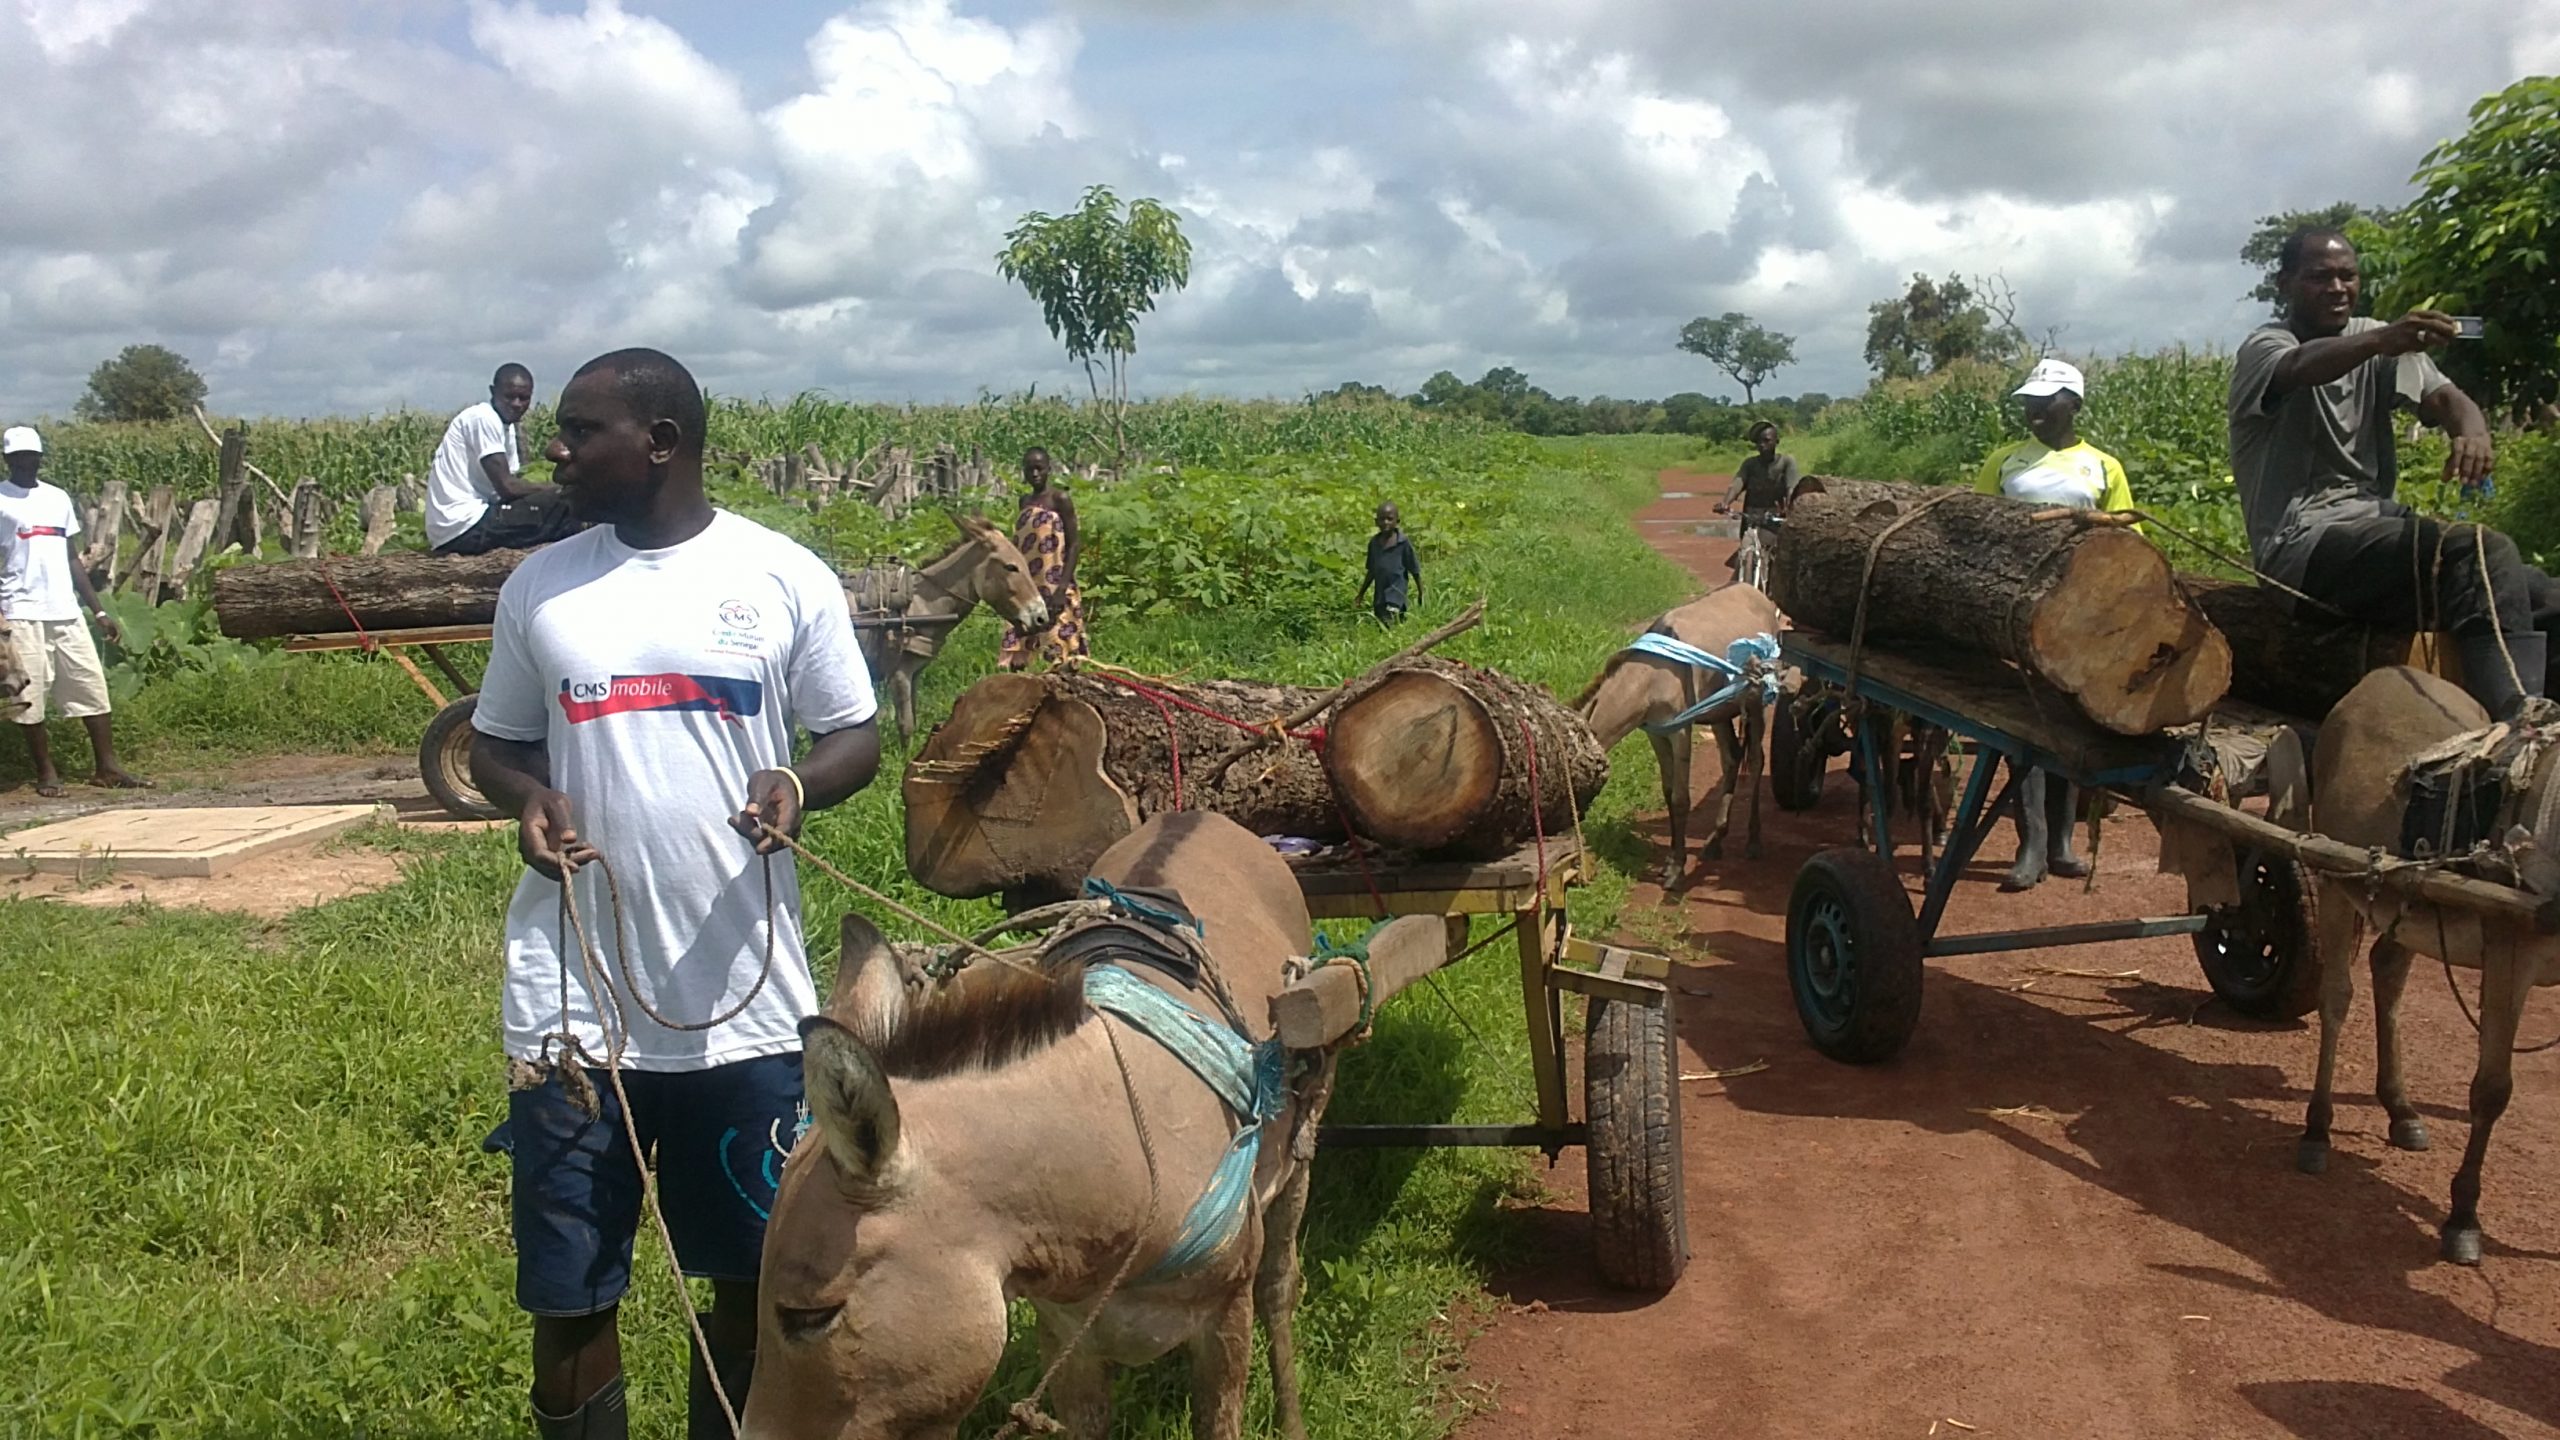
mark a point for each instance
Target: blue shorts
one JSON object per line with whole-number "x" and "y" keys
{"x": 718, "y": 1138}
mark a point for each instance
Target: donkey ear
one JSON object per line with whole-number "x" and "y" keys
{"x": 870, "y": 993}
{"x": 849, "y": 1099}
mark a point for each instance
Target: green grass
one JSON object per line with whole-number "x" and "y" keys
{"x": 240, "y": 1187}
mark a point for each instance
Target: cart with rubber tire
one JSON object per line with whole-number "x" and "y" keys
{"x": 1630, "y": 1126}
{"x": 1856, "y": 948}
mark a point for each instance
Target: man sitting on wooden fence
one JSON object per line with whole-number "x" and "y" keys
{"x": 42, "y": 592}
{"x": 477, "y": 500}
{"x": 2313, "y": 451}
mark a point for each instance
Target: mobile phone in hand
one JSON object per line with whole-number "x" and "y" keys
{"x": 2468, "y": 327}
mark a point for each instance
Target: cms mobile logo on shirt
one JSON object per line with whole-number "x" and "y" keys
{"x": 727, "y": 697}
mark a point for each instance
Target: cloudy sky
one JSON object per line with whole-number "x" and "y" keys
{"x": 341, "y": 205}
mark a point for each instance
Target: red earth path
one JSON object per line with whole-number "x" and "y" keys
{"x": 2067, "y": 1209}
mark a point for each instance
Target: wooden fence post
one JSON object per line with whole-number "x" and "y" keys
{"x": 310, "y": 518}
{"x": 231, "y": 489}
{"x": 193, "y": 543}
{"x": 151, "y": 562}
{"x": 103, "y": 557}
{"x": 381, "y": 503}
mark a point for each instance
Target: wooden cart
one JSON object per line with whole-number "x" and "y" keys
{"x": 1630, "y": 1125}
{"x": 1855, "y": 946}
{"x": 444, "y": 751}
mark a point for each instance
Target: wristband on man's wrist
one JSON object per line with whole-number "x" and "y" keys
{"x": 799, "y": 788}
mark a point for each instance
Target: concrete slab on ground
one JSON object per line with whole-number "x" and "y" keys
{"x": 195, "y": 841}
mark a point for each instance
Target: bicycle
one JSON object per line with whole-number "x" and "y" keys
{"x": 1751, "y": 557}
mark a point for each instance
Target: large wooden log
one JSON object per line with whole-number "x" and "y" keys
{"x": 386, "y": 592}
{"x": 2303, "y": 663}
{"x": 1034, "y": 776}
{"x": 1433, "y": 756}
{"x": 2088, "y": 607}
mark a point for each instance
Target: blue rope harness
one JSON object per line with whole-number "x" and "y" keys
{"x": 1252, "y": 1080}
{"x": 1735, "y": 664}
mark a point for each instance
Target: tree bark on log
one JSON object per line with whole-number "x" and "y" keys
{"x": 386, "y": 592}
{"x": 1431, "y": 756}
{"x": 1034, "y": 776}
{"x": 2089, "y": 608}
{"x": 2302, "y": 664}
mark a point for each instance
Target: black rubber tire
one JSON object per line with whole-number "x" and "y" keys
{"x": 1853, "y": 956}
{"x": 2261, "y": 956}
{"x": 1798, "y": 762}
{"x": 444, "y": 762}
{"x": 1631, "y": 1098}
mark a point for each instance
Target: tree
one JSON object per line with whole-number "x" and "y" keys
{"x": 1935, "y": 323}
{"x": 1095, "y": 270}
{"x": 1739, "y": 346}
{"x": 2266, "y": 243}
{"x": 2481, "y": 239}
{"x": 144, "y": 382}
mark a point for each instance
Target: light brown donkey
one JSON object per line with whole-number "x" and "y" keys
{"x": 2358, "y": 795}
{"x": 983, "y": 569}
{"x": 1639, "y": 690}
{"x": 990, "y": 1140}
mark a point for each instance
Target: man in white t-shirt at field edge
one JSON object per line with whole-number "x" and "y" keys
{"x": 43, "y": 589}
{"x": 644, "y": 682}
{"x": 477, "y": 500}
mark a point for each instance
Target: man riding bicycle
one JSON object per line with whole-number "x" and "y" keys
{"x": 1766, "y": 481}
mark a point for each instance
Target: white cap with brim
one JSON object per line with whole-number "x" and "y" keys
{"x": 2052, "y": 377}
{"x": 21, "y": 438}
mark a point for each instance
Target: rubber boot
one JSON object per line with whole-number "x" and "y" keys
{"x": 2062, "y": 816}
{"x": 603, "y": 1417}
{"x": 2502, "y": 672}
{"x": 2033, "y": 841}
{"x": 702, "y": 1417}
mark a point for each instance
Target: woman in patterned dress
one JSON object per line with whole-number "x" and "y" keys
{"x": 1045, "y": 531}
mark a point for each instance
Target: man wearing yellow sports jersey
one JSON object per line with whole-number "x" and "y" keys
{"x": 2054, "y": 468}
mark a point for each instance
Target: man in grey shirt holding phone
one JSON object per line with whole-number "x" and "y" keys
{"x": 2312, "y": 448}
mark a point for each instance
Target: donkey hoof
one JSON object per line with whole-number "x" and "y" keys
{"x": 2462, "y": 1245}
{"x": 2311, "y": 1155}
{"x": 1751, "y": 851}
{"x": 1714, "y": 851}
{"x": 2409, "y": 1133}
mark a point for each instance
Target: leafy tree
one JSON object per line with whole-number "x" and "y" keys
{"x": 143, "y": 382}
{"x": 2481, "y": 239}
{"x": 2266, "y": 242}
{"x": 1938, "y": 322}
{"x": 1739, "y": 346}
{"x": 1095, "y": 270}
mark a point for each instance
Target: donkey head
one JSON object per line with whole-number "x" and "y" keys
{"x": 883, "y": 1315}
{"x": 1001, "y": 578}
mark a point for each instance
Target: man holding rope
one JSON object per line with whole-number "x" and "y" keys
{"x": 644, "y": 680}
{"x": 2313, "y": 451}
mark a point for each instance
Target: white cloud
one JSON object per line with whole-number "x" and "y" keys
{"x": 337, "y": 207}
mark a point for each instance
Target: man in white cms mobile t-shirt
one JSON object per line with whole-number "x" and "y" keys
{"x": 644, "y": 682}
{"x": 477, "y": 500}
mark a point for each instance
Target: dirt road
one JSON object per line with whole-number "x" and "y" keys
{"x": 2067, "y": 1209}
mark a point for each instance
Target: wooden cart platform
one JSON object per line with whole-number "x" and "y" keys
{"x": 1630, "y": 1128}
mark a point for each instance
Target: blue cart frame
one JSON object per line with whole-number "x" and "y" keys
{"x": 1854, "y": 948}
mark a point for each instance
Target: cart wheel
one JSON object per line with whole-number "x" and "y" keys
{"x": 2259, "y": 955}
{"x": 1797, "y": 759}
{"x": 1853, "y": 956}
{"x": 1631, "y": 1097}
{"x": 444, "y": 762}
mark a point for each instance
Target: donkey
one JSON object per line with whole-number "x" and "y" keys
{"x": 2357, "y": 795}
{"x": 996, "y": 1138}
{"x": 984, "y": 568}
{"x": 1636, "y": 689}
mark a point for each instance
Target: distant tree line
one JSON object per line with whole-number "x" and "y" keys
{"x": 1505, "y": 397}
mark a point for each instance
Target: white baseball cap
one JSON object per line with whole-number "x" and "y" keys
{"x": 21, "y": 437}
{"x": 2050, "y": 376}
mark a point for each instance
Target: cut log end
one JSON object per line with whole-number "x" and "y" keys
{"x": 1415, "y": 758}
{"x": 2117, "y": 635}
{"x": 1011, "y": 791}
